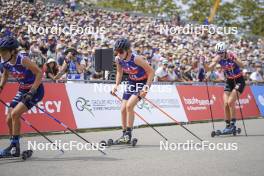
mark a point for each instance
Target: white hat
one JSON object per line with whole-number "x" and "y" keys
{"x": 50, "y": 60}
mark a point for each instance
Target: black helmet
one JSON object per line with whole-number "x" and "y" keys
{"x": 122, "y": 44}
{"x": 8, "y": 42}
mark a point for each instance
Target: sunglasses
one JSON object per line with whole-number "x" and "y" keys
{"x": 119, "y": 51}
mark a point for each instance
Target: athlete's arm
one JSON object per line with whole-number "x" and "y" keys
{"x": 139, "y": 60}
{"x": 119, "y": 73}
{"x": 4, "y": 78}
{"x": 35, "y": 70}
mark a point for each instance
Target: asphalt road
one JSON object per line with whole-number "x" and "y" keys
{"x": 244, "y": 157}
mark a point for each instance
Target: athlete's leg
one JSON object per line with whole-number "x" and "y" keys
{"x": 124, "y": 115}
{"x": 231, "y": 103}
{"x": 131, "y": 103}
{"x": 14, "y": 129}
{"x": 226, "y": 106}
{"x": 9, "y": 121}
{"x": 15, "y": 116}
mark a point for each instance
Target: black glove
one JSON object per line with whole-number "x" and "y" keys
{"x": 28, "y": 96}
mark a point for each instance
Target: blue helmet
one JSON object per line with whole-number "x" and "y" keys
{"x": 9, "y": 43}
{"x": 122, "y": 44}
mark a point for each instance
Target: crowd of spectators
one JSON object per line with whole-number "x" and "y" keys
{"x": 175, "y": 57}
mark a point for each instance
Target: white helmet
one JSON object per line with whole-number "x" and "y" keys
{"x": 220, "y": 47}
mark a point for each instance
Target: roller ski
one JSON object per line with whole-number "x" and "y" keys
{"x": 230, "y": 129}
{"x": 24, "y": 155}
{"x": 125, "y": 139}
{"x": 13, "y": 151}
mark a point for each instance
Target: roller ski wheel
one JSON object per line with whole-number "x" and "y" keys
{"x": 234, "y": 132}
{"x": 238, "y": 130}
{"x": 213, "y": 133}
{"x": 110, "y": 142}
{"x": 134, "y": 142}
{"x": 26, "y": 154}
{"x": 103, "y": 143}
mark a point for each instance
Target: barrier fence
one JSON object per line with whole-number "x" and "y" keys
{"x": 90, "y": 105}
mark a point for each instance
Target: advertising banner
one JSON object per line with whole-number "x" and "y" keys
{"x": 55, "y": 102}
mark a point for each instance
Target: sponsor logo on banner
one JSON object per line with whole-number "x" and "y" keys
{"x": 48, "y": 106}
{"x": 55, "y": 102}
{"x": 247, "y": 104}
{"x": 169, "y": 102}
{"x": 194, "y": 104}
{"x": 92, "y": 105}
{"x": 83, "y": 104}
{"x": 197, "y": 106}
{"x": 92, "y": 109}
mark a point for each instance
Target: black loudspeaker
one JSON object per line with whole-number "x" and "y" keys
{"x": 107, "y": 59}
{"x": 104, "y": 59}
{"x": 98, "y": 60}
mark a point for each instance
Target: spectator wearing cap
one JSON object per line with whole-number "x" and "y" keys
{"x": 51, "y": 69}
{"x": 161, "y": 74}
{"x": 257, "y": 75}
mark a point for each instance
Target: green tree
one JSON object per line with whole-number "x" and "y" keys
{"x": 198, "y": 10}
{"x": 252, "y": 15}
{"x": 227, "y": 15}
{"x": 146, "y": 6}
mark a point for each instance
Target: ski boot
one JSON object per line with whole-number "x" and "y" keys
{"x": 13, "y": 150}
